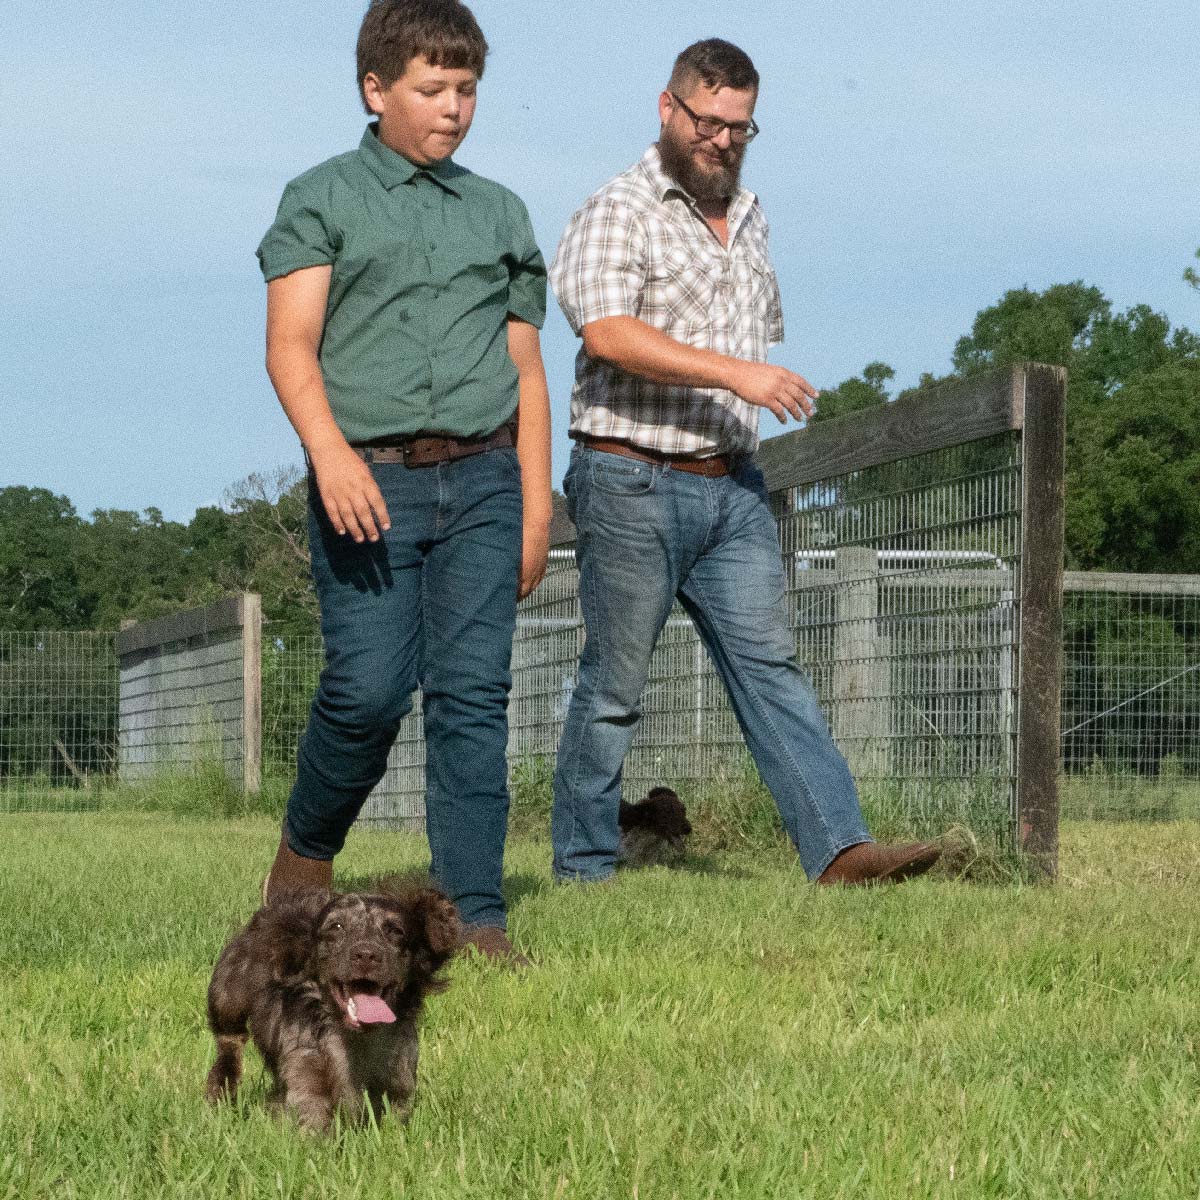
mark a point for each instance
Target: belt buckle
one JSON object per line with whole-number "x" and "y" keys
{"x": 427, "y": 453}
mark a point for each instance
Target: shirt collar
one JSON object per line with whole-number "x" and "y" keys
{"x": 392, "y": 169}
{"x": 740, "y": 202}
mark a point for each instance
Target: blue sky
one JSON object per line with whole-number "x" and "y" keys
{"x": 917, "y": 160}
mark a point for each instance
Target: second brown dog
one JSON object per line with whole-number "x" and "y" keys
{"x": 653, "y": 829}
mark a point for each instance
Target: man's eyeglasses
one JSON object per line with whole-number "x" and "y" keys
{"x": 710, "y": 127}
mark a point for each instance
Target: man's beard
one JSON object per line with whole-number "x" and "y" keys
{"x": 715, "y": 183}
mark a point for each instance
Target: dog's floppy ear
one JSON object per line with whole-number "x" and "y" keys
{"x": 434, "y": 930}
{"x": 434, "y": 923}
{"x": 292, "y": 922}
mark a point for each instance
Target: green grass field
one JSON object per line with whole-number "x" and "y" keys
{"x": 720, "y": 1031}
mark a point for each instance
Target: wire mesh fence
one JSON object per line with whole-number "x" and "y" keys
{"x": 902, "y": 605}
{"x": 901, "y": 597}
{"x": 291, "y": 668}
{"x": 922, "y": 548}
{"x": 916, "y": 672}
{"x": 1131, "y": 697}
{"x": 58, "y": 718}
{"x": 911, "y": 631}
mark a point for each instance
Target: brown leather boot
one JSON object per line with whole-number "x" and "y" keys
{"x": 491, "y": 943}
{"x": 292, "y": 872}
{"x": 869, "y": 863}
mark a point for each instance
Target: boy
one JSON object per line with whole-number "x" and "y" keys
{"x": 404, "y": 298}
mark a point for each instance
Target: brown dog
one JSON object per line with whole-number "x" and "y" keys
{"x": 330, "y": 988}
{"x": 653, "y": 829}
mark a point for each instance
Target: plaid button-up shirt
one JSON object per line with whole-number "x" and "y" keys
{"x": 640, "y": 248}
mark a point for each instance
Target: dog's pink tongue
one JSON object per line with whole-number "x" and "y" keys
{"x": 371, "y": 1010}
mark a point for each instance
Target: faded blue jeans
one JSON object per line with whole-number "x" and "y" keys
{"x": 431, "y": 604}
{"x": 647, "y": 534}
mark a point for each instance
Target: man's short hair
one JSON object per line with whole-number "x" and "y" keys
{"x": 716, "y": 64}
{"x": 394, "y": 32}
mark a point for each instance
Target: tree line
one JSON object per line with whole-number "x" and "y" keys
{"x": 1133, "y": 481}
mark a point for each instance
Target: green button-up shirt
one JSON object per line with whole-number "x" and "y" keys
{"x": 427, "y": 264}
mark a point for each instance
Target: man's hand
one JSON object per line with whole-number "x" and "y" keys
{"x": 782, "y": 391}
{"x": 352, "y": 499}
{"x": 535, "y": 550}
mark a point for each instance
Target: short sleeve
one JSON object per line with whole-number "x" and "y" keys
{"x": 600, "y": 268}
{"x": 774, "y": 314}
{"x": 526, "y": 270}
{"x": 301, "y": 235}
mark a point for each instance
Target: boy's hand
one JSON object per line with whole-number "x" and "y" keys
{"x": 352, "y": 499}
{"x": 535, "y": 549}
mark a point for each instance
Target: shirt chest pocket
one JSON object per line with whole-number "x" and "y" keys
{"x": 755, "y": 279}
{"x": 683, "y": 285}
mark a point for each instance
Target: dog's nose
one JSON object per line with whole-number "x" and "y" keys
{"x": 365, "y": 958}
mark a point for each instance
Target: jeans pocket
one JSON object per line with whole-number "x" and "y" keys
{"x": 506, "y": 456}
{"x": 752, "y": 478}
{"x": 616, "y": 475}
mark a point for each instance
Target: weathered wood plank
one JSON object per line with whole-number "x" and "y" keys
{"x": 949, "y": 414}
{"x": 178, "y": 627}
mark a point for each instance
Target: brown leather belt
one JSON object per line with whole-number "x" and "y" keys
{"x": 713, "y": 468}
{"x": 429, "y": 449}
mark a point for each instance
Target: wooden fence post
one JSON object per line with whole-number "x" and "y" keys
{"x": 1041, "y": 391}
{"x": 251, "y": 614}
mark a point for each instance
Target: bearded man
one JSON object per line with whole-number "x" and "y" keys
{"x": 665, "y": 275}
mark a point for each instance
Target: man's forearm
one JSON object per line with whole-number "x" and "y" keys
{"x": 639, "y": 348}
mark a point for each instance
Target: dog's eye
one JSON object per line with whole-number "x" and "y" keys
{"x": 393, "y": 929}
{"x": 336, "y": 927}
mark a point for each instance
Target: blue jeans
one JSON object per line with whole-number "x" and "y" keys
{"x": 647, "y": 534}
{"x": 431, "y": 604}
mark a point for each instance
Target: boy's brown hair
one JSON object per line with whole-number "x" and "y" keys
{"x": 394, "y": 32}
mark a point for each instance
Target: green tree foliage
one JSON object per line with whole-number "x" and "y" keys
{"x": 264, "y": 548}
{"x": 1134, "y": 484}
{"x": 1192, "y": 276}
{"x": 855, "y": 394}
{"x": 1133, "y": 459}
{"x": 131, "y": 565}
{"x": 1050, "y": 327}
{"x": 60, "y": 572}
{"x": 39, "y": 586}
